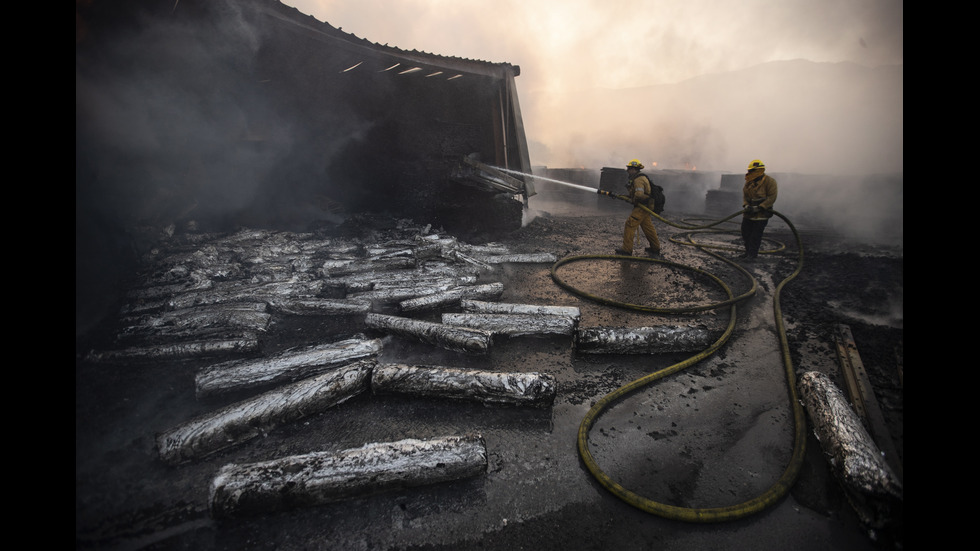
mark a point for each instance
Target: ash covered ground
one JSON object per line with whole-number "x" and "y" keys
{"x": 714, "y": 434}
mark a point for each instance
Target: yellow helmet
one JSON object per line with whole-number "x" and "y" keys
{"x": 635, "y": 163}
{"x": 756, "y": 164}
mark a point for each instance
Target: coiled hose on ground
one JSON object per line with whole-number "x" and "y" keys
{"x": 788, "y": 477}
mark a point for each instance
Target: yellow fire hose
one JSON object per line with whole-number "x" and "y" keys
{"x": 788, "y": 477}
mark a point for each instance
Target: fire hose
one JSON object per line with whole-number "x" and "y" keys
{"x": 710, "y": 514}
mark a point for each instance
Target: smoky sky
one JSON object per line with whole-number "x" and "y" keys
{"x": 575, "y": 54}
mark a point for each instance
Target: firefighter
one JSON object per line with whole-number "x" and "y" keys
{"x": 638, "y": 190}
{"x": 758, "y": 196}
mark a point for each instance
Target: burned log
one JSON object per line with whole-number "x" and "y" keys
{"x": 238, "y": 291}
{"x": 421, "y": 279}
{"x": 288, "y": 366}
{"x": 484, "y": 307}
{"x": 368, "y": 281}
{"x": 245, "y": 344}
{"x": 198, "y": 321}
{"x": 516, "y": 258}
{"x": 450, "y": 244}
{"x": 324, "y": 477}
{"x": 452, "y": 297}
{"x": 332, "y": 268}
{"x": 194, "y": 281}
{"x": 395, "y": 295}
{"x": 512, "y": 325}
{"x": 457, "y": 339}
{"x": 242, "y": 421}
{"x": 642, "y": 340}
{"x": 871, "y": 485}
{"x": 320, "y": 306}
{"x": 522, "y": 389}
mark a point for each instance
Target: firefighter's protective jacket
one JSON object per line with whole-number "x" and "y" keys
{"x": 638, "y": 188}
{"x": 760, "y": 192}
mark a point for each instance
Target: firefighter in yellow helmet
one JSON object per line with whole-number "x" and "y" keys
{"x": 638, "y": 189}
{"x": 758, "y": 195}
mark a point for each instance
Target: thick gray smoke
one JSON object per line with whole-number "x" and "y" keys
{"x": 160, "y": 118}
{"x": 173, "y": 124}
{"x": 832, "y": 134}
{"x": 798, "y": 116}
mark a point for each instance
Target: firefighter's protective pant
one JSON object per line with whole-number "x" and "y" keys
{"x": 640, "y": 218}
{"x": 752, "y": 231}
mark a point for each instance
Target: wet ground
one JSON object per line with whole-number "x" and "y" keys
{"x": 715, "y": 434}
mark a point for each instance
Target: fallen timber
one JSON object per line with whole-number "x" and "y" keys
{"x": 195, "y": 281}
{"x": 400, "y": 280}
{"x": 343, "y": 267}
{"x": 238, "y": 291}
{"x": 457, "y": 339}
{"x": 246, "y": 344}
{"x": 642, "y": 340}
{"x": 516, "y": 258}
{"x": 282, "y": 272}
{"x": 395, "y": 295}
{"x": 198, "y": 321}
{"x": 512, "y": 325}
{"x": 320, "y": 306}
{"x": 870, "y": 484}
{"x": 285, "y": 367}
{"x": 225, "y": 292}
{"x": 324, "y": 477}
{"x": 484, "y": 307}
{"x": 368, "y": 281}
{"x": 452, "y": 297}
{"x": 450, "y": 244}
{"x": 522, "y": 389}
{"x": 242, "y": 421}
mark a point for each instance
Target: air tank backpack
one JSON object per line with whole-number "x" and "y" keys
{"x": 657, "y": 198}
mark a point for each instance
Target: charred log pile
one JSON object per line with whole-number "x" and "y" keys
{"x": 214, "y": 295}
{"x": 222, "y": 301}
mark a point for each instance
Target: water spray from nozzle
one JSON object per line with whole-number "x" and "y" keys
{"x": 568, "y": 184}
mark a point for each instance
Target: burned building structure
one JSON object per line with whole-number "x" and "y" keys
{"x": 250, "y": 106}
{"x": 219, "y": 115}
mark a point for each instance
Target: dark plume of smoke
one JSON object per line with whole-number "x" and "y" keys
{"x": 163, "y": 111}
{"x": 175, "y": 125}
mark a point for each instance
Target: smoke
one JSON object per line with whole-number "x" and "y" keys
{"x": 160, "y": 117}
{"x": 168, "y": 122}
{"x": 172, "y": 124}
{"x": 797, "y": 116}
{"x": 807, "y": 86}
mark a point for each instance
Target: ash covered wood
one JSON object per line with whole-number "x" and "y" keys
{"x": 485, "y": 307}
{"x": 395, "y": 295}
{"x": 522, "y": 389}
{"x": 197, "y": 321}
{"x": 287, "y": 366}
{"x": 354, "y": 266}
{"x": 452, "y": 297}
{"x": 245, "y": 344}
{"x": 517, "y": 258}
{"x": 642, "y": 340}
{"x": 512, "y": 325}
{"x": 323, "y": 477}
{"x": 242, "y": 421}
{"x": 320, "y": 306}
{"x": 457, "y": 339}
{"x": 872, "y": 486}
